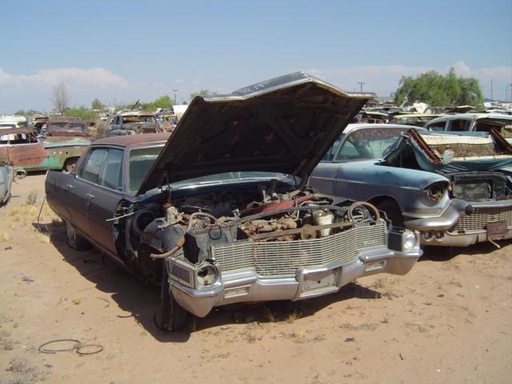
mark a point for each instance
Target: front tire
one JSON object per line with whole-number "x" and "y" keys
{"x": 170, "y": 316}
{"x": 74, "y": 240}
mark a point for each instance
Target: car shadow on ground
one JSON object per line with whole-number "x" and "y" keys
{"x": 448, "y": 253}
{"x": 139, "y": 300}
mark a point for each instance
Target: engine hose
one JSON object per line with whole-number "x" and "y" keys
{"x": 179, "y": 244}
{"x": 367, "y": 207}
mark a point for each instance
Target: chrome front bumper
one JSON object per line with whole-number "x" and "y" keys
{"x": 488, "y": 222}
{"x": 237, "y": 275}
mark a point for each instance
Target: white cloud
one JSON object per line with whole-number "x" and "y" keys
{"x": 33, "y": 91}
{"x": 95, "y": 77}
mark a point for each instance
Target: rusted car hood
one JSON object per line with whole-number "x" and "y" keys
{"x": 281, "y": 125}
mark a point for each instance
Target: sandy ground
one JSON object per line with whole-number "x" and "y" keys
{"x": 448, "y": 321}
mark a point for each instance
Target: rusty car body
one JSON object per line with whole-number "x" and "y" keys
{"x": 129, "y": 122}
{"x": 455, "y": 188}
{"x": 220, "y": 213}
{"x": 21, "y": 148}
{"x": 64, "y": 127}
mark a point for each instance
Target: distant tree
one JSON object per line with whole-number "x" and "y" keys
{"x": 82, "y": 112}
{"x": 97, "y": 105}
{"x": 203, "y": 93}
{"x": 60, "y": 98}
{"x": 30, "y": 112}
{"x": 162, "y": 102}
{"x": 438, "y": 90}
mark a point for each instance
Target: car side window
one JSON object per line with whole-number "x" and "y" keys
{"x": 329, "y": 155}
{"x": 92, "y": 167}
{"x": 110, "y": 174}
{"x": 458, "y": 125}
{"x": 348, "y": 152}
{"x": 439, "y": 126}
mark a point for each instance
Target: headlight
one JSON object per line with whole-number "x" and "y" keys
{"x": 409, "y": 240}
{"x": 436, "y": 191}
{"x": 403, "y": 240}
{"x": 206, "y": 274}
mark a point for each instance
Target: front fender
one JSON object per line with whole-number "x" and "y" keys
{"x": 378, "y": 175}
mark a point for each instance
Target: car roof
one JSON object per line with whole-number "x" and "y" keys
{"x": 135, "y": 113}
{"x": 357, "y": 126}
{"x": 470, "y": 116}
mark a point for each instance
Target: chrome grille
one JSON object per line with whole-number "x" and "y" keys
{"x": 281, "y": 258}
{"x": 482, "y": 216}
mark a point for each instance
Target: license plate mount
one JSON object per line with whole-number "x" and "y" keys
{"x": 496, "y": 229}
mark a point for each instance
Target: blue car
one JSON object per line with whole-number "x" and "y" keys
{"x": 455, "y": 188}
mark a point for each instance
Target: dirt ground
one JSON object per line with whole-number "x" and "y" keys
{"x": 448, "y": 321}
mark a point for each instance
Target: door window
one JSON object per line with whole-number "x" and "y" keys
{"x": 91, "y": 169}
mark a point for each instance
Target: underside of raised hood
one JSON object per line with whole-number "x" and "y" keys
{"x": 282, "y": 125}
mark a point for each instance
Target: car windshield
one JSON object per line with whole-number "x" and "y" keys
{"x": 140, "y": 162}
{"x": 363, "y": 144}
{"x": 68, "y": 126}
{"x": 139, "y": 119}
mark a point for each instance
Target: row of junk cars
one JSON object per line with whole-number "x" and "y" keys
{"x": 275, "y": 192}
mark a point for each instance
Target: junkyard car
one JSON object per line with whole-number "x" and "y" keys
{"x": 453, "y": 188}
{"x": 21, "y": 148}
{"x": 462, "y": 122}
{"x": 64, "y": 127}
{"x": 224, "y": 207}
{"x": 131, "y": 122}
{"x": 414, "y": 119}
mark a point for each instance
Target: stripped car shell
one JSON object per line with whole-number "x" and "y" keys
{"x": 131, "y": 122}
{"x": 64, "y": 127}
{"x": 224, "y": 214}
{"x": 21, "y": 148}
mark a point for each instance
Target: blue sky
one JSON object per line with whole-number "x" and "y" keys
{"x": 121, "y": 51}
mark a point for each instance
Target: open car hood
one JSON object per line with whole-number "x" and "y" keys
{"x": 282, "y": 125}
{"x": 447, "y": 152}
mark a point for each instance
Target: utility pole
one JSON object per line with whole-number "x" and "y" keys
{"x": 361, "y": 86}
{"x": 175, "y": 90}
{"x": 506, "y": 92}
{"x": 491, "y": 90}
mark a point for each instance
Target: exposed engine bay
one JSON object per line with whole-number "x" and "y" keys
{"x": 261, "y": 212}
{"x": 480, "y": 186}
{"x": 264, "y": 213}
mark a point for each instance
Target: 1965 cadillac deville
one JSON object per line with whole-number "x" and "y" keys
{"x": 219, "y": 213}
